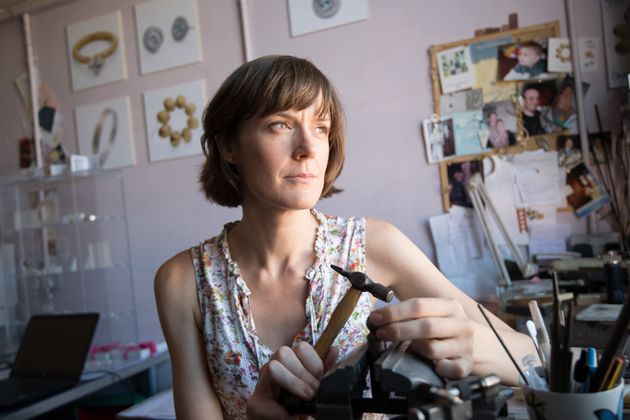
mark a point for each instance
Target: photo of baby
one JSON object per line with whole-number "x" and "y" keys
{"x": 523, "y": 61}
{"x": 500, "y": 119}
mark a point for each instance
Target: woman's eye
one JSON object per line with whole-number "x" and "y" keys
{"x": 322, "y": 129}
{"x": 279, "y": 125}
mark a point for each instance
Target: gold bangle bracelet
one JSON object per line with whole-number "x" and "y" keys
{"x": 95, "y": 63}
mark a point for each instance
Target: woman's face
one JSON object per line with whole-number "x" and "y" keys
{"x": 282, "y": 158}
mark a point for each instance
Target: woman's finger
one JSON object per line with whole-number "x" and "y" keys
{"x": 284, "y": 378}
{"x": 416, "y": 308}
{"x": 442, "y": 349}
{"x": 331, "y": 358}
{"x": 425, "y": 328}
{"x": 309, "y": 359}
{"x": 454, "y": 368}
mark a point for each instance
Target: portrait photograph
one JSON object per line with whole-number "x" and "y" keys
{"x": 536, "y": 100}
{"x": 598, "y": 142}
{"x": 569, "y": 150}
{"x": 458, "y": 175}
{"x": 439, "y": 139}
{"x": 525, "y": 60}
{"x": 500, "y": 118}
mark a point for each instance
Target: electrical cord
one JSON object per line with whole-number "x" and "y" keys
{"x": 120, "y": 379}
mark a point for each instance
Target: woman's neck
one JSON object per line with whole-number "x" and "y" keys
{"x": 274, "y": 241}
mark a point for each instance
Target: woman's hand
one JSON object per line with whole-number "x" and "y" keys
{"x": 297, "y": 370}
{"x": 438, "y": 329}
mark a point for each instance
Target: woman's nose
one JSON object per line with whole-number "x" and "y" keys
{"x": 304, "y": 144}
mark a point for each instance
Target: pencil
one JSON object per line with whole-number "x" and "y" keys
{"x": 615, "y": 341}
{"x": 617, "y": 368}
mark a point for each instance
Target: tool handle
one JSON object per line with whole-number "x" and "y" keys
{"x": 337, "y": 320}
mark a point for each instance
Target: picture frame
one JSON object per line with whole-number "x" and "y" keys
{"x": 484, "y": 57}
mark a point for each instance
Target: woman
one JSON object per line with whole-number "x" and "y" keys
{"x": 241, "y": 312}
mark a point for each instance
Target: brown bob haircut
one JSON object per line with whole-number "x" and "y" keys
{"x": 260, "y": 88}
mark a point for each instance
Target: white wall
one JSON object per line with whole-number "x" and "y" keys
{"x": 380, "y": 67}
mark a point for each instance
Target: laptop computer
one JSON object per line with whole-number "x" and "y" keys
{"x": 50, "y": 358}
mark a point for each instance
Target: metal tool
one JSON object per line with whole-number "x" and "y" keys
{"x": 402, "y": 383}
{"x": 360, "y": 283}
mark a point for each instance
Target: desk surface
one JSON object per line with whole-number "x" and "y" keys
{"x": 85, "y": 387}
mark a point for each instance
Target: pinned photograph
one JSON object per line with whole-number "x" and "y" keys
{"x": 560, "y": 58}
{"x": 173, "y": 120}
{"x": 569, "y": 150}
{"x": 500, "y": 118}
{"x": 96, "y": 51}
{"x": 589, "y": 53}
{"x": 585, "y": 192}
{"x": 599, "y": 143}
{"x": 458, "y": 175}
{"x": 308, "y": 16}
{"x": 485, "y": 61}
{"x": 455, "y": 67}
{"x": 438, "y": 138}
{"x": 536, "y": 102}
{"x": 470, "y": 132}
{"x": 168, "y": 34}
{"x": 525, "y": 60}
{"x": 104, "y": 131}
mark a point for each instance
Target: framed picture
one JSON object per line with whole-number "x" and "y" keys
{"x": 96, "y": 51}
{"x": 173, "y": 120}
{"x": 615, "y": 16}
{"x": 308, "y": 16}
{"x": 168, "y": 34}
{"x": 104, "y": 130}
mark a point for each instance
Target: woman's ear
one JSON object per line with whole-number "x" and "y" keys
{"x": 226, "y": 149}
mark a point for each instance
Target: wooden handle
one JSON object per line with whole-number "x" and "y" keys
{"x": 337, "y": 320}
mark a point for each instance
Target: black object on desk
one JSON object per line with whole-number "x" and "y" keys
{"x": 50, "y": 358}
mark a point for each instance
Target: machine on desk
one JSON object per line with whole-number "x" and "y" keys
{"x": 402, "y": 383}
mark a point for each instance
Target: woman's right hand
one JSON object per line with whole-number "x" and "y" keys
{"x": 297, "y": 370}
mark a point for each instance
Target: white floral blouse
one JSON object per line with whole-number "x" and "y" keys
{"x": 233, "y": 350}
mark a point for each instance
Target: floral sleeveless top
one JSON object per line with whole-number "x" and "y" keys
{"x": 233, "y": 350}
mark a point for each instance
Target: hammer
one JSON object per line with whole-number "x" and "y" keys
{"x": 360, "y": 283}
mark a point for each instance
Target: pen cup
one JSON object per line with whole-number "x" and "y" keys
{"x": 543, "y": 405}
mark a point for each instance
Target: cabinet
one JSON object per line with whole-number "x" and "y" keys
{"x": 65, "y": 248}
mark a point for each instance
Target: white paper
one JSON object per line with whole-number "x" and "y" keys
{"x": 589, "y": 53}
{"x": 537, "y": 179}
{"x": 500, "y": 186}
{"x": 559, "y": 55}
{"x": 468, "y": 230}
{"x": 548, "y": 238}
{"x": 455, "y": 66}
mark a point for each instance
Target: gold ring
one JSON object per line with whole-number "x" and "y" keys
{"x": 96, "y": 62}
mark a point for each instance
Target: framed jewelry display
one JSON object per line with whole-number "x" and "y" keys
{"x": 173, "y": 120}
{"x": 96, "y": 51}
{"x": 104, "y": 131}
{"x": 168, "y": 34}
{"x": 316, "y": 15}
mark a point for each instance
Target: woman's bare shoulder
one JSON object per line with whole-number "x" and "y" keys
{"x": 175, "y": 278}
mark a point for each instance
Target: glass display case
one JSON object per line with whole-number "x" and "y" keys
{"x": 65, "y": 248}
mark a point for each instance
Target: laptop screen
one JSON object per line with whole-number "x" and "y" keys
{"x": 55, "y": 346}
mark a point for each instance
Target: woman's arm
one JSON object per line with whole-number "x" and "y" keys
{"x": 176, "y": 297}
{"x": 448, "y": 328}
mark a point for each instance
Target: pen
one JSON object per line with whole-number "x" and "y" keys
{"x": 591, "y": 363}
{"x": 541, "y": 334}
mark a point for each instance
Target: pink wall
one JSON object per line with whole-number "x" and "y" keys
{"x": 380, "y": 67}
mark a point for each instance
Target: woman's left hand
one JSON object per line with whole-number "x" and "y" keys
{"x": 438, "y": 328}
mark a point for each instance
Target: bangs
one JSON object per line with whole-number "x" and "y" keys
{"x": 296, "y": 87}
